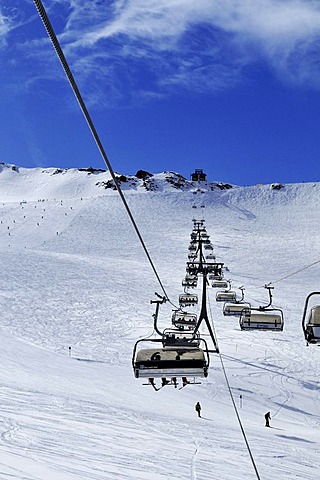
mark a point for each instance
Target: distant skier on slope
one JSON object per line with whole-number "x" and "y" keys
{"x": 267, "y": 418}
{"x": 198, "y": 409}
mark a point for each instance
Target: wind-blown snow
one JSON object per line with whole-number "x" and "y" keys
{"x": 74, "y": 275}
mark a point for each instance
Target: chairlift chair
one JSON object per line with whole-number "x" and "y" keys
{"x": 267, "y": 319}
{"x": 208, "y": 246}
{"x": 236, "y": 309}
{"x": 311, "y": 326}
{"x": 190, "y": 281}
{"x": 175, "y": 361}
{"x": 218, "y": 281}
{"x": 192, "y": 268}
{"x": 210, "y": 256}
{"x": 264, "y": 317}
{"x": 226, "y": 295}
{"x": 188, "y": 299}
{"x": 181, "y": 338}
{"x": 214, "y": 268}
{"x": 184, "y": 320}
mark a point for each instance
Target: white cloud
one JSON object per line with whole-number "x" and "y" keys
{"x": 199, "y": 46}
{"x": 264, "y": 20}
{"x": 282, "y": 32}
{"x": 5, "y": 27}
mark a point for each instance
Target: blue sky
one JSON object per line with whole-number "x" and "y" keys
{"x": 230, "y": 86}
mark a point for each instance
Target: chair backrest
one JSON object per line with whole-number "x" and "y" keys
{"x": 314, "y": 318}
{"x": 263, "y": 318}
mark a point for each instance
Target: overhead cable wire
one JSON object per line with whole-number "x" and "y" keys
{"x": 295, "y": 273}
{"x": 234, "y": 404}
{"x": 76, "y": 91}
{"x": 239, "y": 419}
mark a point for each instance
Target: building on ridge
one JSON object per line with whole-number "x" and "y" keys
{"x": 198, "y": 176}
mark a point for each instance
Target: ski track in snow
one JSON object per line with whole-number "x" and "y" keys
{"x": 74, "y": 275}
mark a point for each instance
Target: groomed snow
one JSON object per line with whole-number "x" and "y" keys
{"x": 74, "y": 275}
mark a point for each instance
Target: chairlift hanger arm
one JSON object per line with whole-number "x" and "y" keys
{"x": 156, "y": 314}
{"x": 269, "y": 288}
{"x": 242, "y": 294}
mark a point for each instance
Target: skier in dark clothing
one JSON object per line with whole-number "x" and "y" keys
{"x": 267, "y": 418}
{"x": 198, "y": 408}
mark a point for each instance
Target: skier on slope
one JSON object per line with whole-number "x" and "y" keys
{"x": 198, "y": 408}
{"x": 267, "y": 418}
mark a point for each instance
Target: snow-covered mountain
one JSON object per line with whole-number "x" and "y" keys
{"x": 75, "y": 296}
{"x": 36, "y": 183}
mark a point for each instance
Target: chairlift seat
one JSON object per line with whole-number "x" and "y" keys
{"x": 314, "y": 318}
{"x": 186, "y": 299}
{"x": 213, "y": 267}
{"x": 227, "y": 295}
{"x": 313, "y": 325}
{"x": 261, "y": 321}
{"x": 236, "y": 309}
{"x": 180, "y": 338}
{"x": 218, "y": 282}
{"x": 184, "y": 320}
{"x": 208, "y": 246}
{"x": 191, "y": 276}
{"x": 176, "y": 362}
{"x": 189, "y": 283}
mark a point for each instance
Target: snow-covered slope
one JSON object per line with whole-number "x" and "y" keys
{"x": 38, "y": 183}
{"x": 74, "y": 275}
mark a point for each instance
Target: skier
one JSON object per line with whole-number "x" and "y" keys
{"x": 198, "y": 408}
{"x": 267, "y": 418}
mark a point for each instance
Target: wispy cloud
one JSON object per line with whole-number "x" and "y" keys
{"x": 6, "y": 23}
{"x": 283, "y": 33}
{"x": 157, "y": 46}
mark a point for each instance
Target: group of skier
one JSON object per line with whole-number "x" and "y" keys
{"x": 267, "y": 416}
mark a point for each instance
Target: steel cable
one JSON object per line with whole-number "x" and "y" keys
{"x": 76, "y": 91}
{"x": 234, "y": 403}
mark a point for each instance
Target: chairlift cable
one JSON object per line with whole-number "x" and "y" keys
{"x": 239, "y": 419}
{"x": 258, "y": 287}
{"x": 234, "y": 405}
{"x": 297, "y": 271}
{"x": 76, "y": 91}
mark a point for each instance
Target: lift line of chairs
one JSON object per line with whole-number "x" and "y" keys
{"x": 262, "y": 317}
{"x": 179, "y": 356}
{"x": 266, "y": 317}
